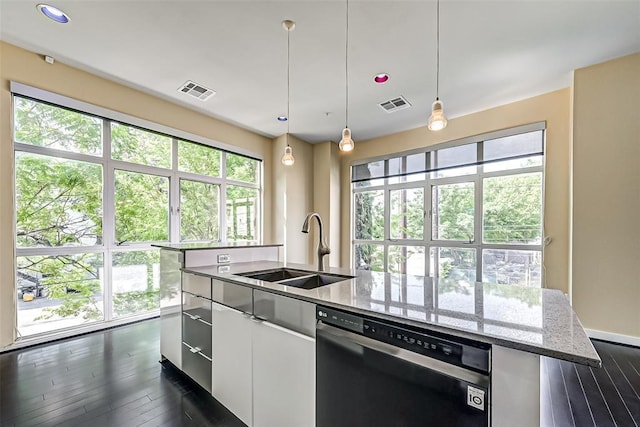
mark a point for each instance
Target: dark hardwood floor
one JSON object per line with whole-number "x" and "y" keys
{"x": 113, "y": 378}
{"x": 576, "y": 395}
{"x": 109, "y": 378}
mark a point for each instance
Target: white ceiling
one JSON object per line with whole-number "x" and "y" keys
{"x": 492, "y": 53}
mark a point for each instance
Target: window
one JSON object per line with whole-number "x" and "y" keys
{"x": 468, "y": 210}
{"x": 93, "y": 194}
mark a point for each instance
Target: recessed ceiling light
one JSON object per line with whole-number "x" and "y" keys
{"x": 381, "y": 78}
{"x": 53, "y": 13}
{"x": 282, "y": 118}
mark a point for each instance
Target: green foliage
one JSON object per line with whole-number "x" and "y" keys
{"x": 453, "y": 211}
{"x": 138, "y": 146}
{"x": 48, "y": 126}
{"x": 73, "y": 279}
{"x": 135, "y": 302}
{"x": 195, "y": 158}
{"x": 240, "y": 168}
{"x": 369, "y": 257}
{"x": 199, "y": 210}
{"x": 407, "y": 214}
{"x": 512, "y": 214}
{"x": 369, "y": 215}
{"x": 512, "y": 209}
{"x": 59, "y": 202}
{"x": 142, "y": 207}
{"x": 241, "y": 213}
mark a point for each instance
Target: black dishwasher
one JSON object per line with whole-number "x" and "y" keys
{"x": 377, "y": 373}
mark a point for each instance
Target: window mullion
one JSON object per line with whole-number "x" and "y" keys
{"x": 108, "y": 220}
{"x": 174, "y": 195}
{"x": 478, "y": 213}
{"x": 387, "y": 218}
{"x": 108, "y": 190}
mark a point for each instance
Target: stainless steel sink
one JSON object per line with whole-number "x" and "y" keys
{"x": 297, "y": 278}
{"x": 314, "y": 281}
{"x": 276, "y": 275}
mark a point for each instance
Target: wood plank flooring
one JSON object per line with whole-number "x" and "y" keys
{"x": 113, "y": 378}
{"x": 576, "y": 395}
{"x": 108, "y": 378}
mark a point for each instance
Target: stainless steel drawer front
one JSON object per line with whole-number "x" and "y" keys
{"x": 196, "y": 285}
{"x": 196, "y": 308}
{"x": 232, "y": 295}
{"x": 290, "y": 313}
{"x": 197, "y": 334}
{"x": 197, "y": 365}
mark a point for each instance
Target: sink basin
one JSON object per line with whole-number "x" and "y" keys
{"x": 314, "y": 281}
{"x": 276, "y": 275}
{"x": 297, "y": 278}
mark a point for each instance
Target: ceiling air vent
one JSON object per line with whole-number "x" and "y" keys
{"x": 196, "y": 90}
{"x": 395, "y": 104}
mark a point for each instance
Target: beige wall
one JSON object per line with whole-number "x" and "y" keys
{"x": 606, "y": 196}
{"x": 552, "y": 108}
{"x": 326, "y": 196}
{"x": 29, "y": 68}
{"x": 292, "y": 198}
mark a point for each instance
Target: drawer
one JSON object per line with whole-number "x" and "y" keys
{"x": 197, "y": 366}
{"x": 197, "y": 334}
{"x": 197, "y": 285}
{"x": 197, "y": 308}
{"x": 232, "y": 295}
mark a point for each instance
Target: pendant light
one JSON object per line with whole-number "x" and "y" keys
{"x": 437, "y": 120}
{"x": 346, "y": 143}
{"x": 287, "y": 158}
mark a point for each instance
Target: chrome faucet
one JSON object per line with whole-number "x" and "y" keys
{"x": 323, "y": 249}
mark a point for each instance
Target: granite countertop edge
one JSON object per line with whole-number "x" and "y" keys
{"x": 305, "y": 295}
{"x": 181, "y": 247}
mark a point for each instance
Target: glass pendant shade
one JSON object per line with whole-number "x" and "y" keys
{"x": 437, "y": 120}
{"x": 288, "y": 159}
{"x": 346, "y": 143}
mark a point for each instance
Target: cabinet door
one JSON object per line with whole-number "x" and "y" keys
{"x": 231, "y": 370}
{"x": 284, "y": 364}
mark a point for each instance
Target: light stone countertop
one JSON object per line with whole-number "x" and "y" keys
{"x": 211, "y": 245}
{"x": 534, "y": 320}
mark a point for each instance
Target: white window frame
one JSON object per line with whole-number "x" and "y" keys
{"x": 477, "y": 178}
{"x": 109, "y": 166}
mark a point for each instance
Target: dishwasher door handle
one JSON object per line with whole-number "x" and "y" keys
{"x": 348, "y": 340}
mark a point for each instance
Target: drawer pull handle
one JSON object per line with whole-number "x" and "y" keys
{"x": 205, "y": 322}
{"x": 195, "y": 349}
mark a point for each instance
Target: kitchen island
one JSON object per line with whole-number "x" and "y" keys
{"x": 519, "y": 323}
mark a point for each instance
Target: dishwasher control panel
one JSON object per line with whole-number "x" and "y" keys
{"x": 450, "y": 349}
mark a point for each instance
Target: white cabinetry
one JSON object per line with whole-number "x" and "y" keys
{"x": 170, "y": 307}
{"x": 262, "y": 372}
{"x": 283, "y": 377}
{"x": 231, "y": 378}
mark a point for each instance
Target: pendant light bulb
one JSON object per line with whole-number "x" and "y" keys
{"x": 437, "y": 120}
{"x": 287, "y": 158}
{"x": 346, "y": 143}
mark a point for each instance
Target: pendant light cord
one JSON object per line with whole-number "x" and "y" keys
{"x": 346, "y": 70}
{"x": 288, "y": 80}
{"x": 437, "y": 50}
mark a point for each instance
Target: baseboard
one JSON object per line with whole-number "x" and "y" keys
{"x": 617, "y": 338}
